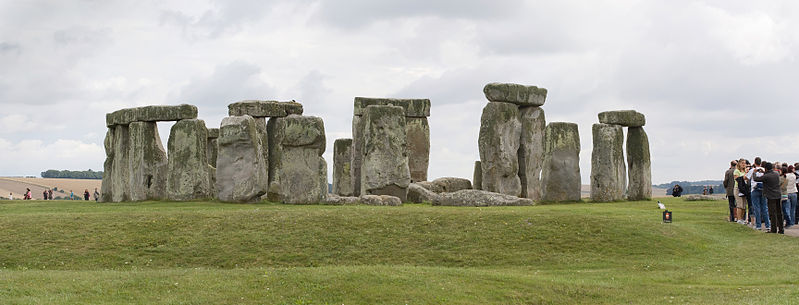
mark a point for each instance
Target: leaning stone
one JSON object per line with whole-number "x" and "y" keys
{"x": 608, "y": 171}
{"x": 531, "y": 151}
{"x": 478, "y": 198}
{"x": 419, "y": 194}
{"x": 430, "y": 186}
{"x": 417, "y": 132}
{"x": 333, "y": 199}
{"x": 380, "y": 200}
{"x": 516, "y": 94}
{"x": 500, "y": 131}
{"x": 453, "y": 184}
{"x": 120, "y": 180}
{"x": 384, "y": 168}
{"x": 477, "y": 177}
{"x": 105, "y": 188}
{"x": 629, "y": 118}
{"x": 188, "y": 165}
{"x": 342, "y": 165}
{"x": 296, "y": 144}
{"x": 639, "y": 166}
{"x": 262, "y": 109}
{"x": 148, "y": 162}
{"x": 151, "y": 114}
{"x": 560, "y": 174}
{"x": 241, "y": 174}
{"x": 414, "y": 108}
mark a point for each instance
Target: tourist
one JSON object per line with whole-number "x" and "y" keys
{"x": 10, "y": 196}
{"x": 27, "y": 195}
{"x": 771, "y": 189}
{"x": 790, "y": 204}
{"x": 676, "y": 191}
{"x": 710, "y": 190}
{"x": 50, "y": 194}
{"x": 44, "y": 194}
{"x": 740, "y": 187}
{"x": 729, "y": 184}
{"x": 704, "y": 191}
{"x": 96, "y": 195}
{"x": 759, "y": 210}
{"x": 71, "y": 195}
{"x": 86, "y": 195}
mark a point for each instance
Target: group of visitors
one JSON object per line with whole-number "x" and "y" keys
{"x": 708, "y": 190}
{"x": 47, "y": 194}
{"x": 763, "y": 194}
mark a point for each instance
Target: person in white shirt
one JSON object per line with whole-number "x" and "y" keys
{"x": 790, "y": 179}
{"x": 759, "y": 210}
{"x": 10, "y": 196}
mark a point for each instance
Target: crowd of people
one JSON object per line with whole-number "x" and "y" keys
{"x": 763, "y": 194}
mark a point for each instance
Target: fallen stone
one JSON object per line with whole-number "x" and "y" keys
{"x": 608, "y": 170}
{"x": 478, "y": 198}
{"x": 296, "y": 168}
{"x": 560, "y": 174}
{"x": 342, "y": 165}
{"x": 189, "y": 176}
{"x": 478, "y": 176}
{"x": 452, "y": 184}
{"x": 262, "y": 109}
{"x": 148, "y": 162}
{"x": 417, "y": 132}
{"x": 419, "y": 194}
{"x": 384, "y": 168}
{"x": 151, "y": 114}
{"x": 629, "y": 118}
{"x": 500, "y": 131}
{"x": 516, "y": 94}
{"x": 333, "y": 199}
{"x": 430, "y": 186}
{"x": 414, "y": 108}
{"x": 531, "y": 151}
{"x": 639, "y": 165}
{"x": 696, "y": 197}
{"x": 380, "y": 200}
{"x": 241, "y": 174}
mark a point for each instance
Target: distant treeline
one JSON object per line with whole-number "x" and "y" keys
{"x": 89, "y": 174}
{"x": 693, "y": 187}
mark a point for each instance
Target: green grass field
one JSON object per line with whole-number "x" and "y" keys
{"x": 72, "y": 252}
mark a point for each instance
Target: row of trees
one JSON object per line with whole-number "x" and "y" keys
{"x": 89, "y": 174}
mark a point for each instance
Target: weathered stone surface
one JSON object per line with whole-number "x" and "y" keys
{"x": 148, "y": 162}
{"x": 189, "y": 176}
{"x": 608, "y": 170}
{"x": 629, "y": 118}
{"x": 452, "y": 184}
{"x": 342, "y": 165}
{"x": 419, "y": 194}
{"x": 380, "y": 200}
{"x": 262, "y": 109}
{"x": 514, "y": 93}
{"x": 531, "y": 151}
{"x": 213, "y": 150}
{"x": 414, "y": 108}
{"x": 105, "y": 188}
{"x": 417, "y": 132}
{"x": 151, "y": 114}
{"x": 357, "y": 155}
{"x": 261, "y": 128}
{"x": 560, "y": 174}
{"x": 697, "y": 197}
{"x": 639, "y": 165}
{"x": 333, "y": 199}
{"x": 120, "y": 180}
{"x": 430, "y": 186}
{"x": 384, "y": 168}
{"x": 477, "y": 177}
{"x": 213, "y": 133}
{"x": 478, "y": 198}
{"x": 296, "y": 144}
{"x": 500, "y": 131}
{"x": 241, "y": 173}
{"x": 323, "y": 185}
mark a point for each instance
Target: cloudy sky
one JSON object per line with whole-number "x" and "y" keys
{"x": 717, "y": 80}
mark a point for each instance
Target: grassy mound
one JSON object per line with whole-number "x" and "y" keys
{"x": 201, "y": 252}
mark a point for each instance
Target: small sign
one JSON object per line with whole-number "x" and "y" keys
{"x": 667, "y": 216}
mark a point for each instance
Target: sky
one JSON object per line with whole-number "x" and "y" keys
{"x": 717, "y": 80}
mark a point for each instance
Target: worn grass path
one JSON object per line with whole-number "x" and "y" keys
{"x": 204, "y": 252}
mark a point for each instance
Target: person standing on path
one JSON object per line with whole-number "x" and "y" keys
{"x": 771, "y": 190}
{"x": 729, "y": 184}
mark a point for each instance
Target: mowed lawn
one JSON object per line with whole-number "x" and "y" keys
{"x": 62, "y": 252}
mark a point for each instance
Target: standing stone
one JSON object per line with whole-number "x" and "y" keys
{"x": 342, "y": 165}
{"x": 213, "y": 147}
{"x": 241, "y": 174}
{"x": 560, "y": 175}
{"x": 639, "y": 165}
{"x": 531, "y": 151}
{"x": 608, "y": 171}
{"x": 263, "y": 133}
{"x": 357, "y": 155}
{"x": 148, "y": 162}
{"x": 324, "y": 187}
{"x": 417, "y": 132}
{"x": 296, "y": 144}
{"x": 108, "y": 171}
{"x": 120, "y": 180}
{"x": 189, "y": 177}
{"x": 477, "y": 178}
{"x": 384, "y": 168}
{"x": 500, "y": 131}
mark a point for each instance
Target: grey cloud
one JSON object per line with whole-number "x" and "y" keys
{"x": 83, "y": 36}
{"x": 453, "y": 87}
{"x": 9, "y": 48}
{"x": 227, "y": 84}
{"x": 356, "y": 13}
{"x": 226, "y": 16}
